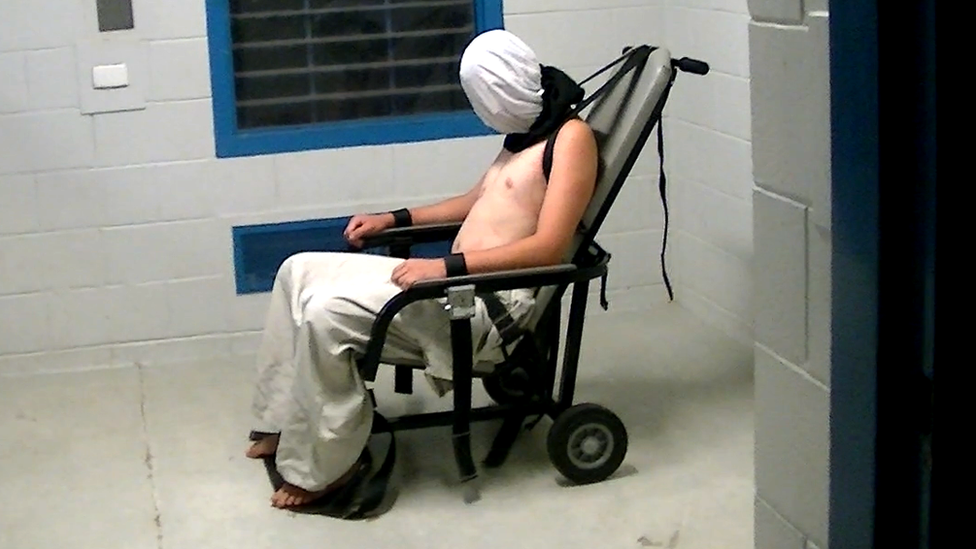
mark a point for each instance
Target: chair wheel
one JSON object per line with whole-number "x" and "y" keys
{"x": 587, "y": 443}
{"x": 513, "y": 387}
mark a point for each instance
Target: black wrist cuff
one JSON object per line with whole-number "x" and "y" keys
{"x": 456, "y": 265}
{"x": 402, "y": 218}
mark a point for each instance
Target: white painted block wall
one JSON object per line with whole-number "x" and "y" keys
{"x": 708, "y": 137}
{"x": 791, "y": 151}
{"x": 115, "y": 229}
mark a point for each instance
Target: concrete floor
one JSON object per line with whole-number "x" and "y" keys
{"x": 142, "y": 458}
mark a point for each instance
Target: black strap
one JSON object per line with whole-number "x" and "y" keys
{"x": 664, "y": 200}
{"x": 628, "y": 51}
{"x": 604, "y": 302}
{"x": 628, "y": 58}
{"x": 507, "y": 328}
{"x": 371, "y": 494}
{"x": 402, "y": 218}
{"x": 629, "y": 64}
{"x": 548, "y": 152}
{"x": 455, "y": 265}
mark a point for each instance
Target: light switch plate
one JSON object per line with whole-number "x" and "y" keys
{"x": 107, "y": 52}
{"x": 110, "y": 76}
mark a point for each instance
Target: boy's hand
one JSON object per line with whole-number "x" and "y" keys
{"x": 412, "y": 271}
{"x": 364, "y": 225}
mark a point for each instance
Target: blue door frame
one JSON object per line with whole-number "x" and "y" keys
{"x": 883, "y": 321}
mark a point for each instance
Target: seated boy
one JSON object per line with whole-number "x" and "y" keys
{"x": 310, "y": 399}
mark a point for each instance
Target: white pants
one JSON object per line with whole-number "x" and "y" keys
{"x": 322, "y": 310}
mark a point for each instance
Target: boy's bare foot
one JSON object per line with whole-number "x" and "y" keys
{"x": 267, "y": 446}
{"x": 292, "y": 496}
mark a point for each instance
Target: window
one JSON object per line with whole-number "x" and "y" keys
{"x": 291, "y": 75}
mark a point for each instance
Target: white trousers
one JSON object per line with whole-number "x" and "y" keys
{"x": 322, "y": 310}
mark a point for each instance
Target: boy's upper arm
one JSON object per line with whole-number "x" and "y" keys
{"x": 571, "y": 185}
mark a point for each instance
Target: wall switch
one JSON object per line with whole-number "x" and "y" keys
{"x": 125, "y": 59}
{"x": 110, "y": 76}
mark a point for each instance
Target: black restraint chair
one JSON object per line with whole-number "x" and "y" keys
{"x": 586, "y": 442}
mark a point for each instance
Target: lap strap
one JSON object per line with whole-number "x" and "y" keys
{"x": 508, "y": 329}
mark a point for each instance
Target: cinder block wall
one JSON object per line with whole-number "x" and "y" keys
{"x": 115, "y": 229}
{"x": 791, "y": 151}
{"x": 709, "y": 157}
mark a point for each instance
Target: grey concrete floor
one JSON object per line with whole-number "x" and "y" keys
{"x": 152, "y": 457}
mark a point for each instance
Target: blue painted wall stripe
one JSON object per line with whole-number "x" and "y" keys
{"x": 259, "y": 250}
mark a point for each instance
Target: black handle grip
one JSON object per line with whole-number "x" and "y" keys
{"x": 693, "y": 66}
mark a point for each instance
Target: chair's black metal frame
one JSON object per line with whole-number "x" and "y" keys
{"x": 536, "y": 355}
{"x": 532, "y": 346}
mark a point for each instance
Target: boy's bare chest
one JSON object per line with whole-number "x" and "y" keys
{"x": 518, "y": 176}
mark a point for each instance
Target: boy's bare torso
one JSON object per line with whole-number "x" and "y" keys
{"x": 508, "y": 206}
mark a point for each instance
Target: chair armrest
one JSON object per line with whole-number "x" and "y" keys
{"x": 515, "y": 279}
{"x": 556, "y": 275}
{"x": 419, "y": 234}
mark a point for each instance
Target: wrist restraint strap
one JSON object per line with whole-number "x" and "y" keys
{"x": 456, "y": 265}
{"x": 402, "y": 218}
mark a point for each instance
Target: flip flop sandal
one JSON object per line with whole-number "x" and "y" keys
{"x": 255, "y": 436}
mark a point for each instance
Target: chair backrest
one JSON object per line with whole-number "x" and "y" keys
{"x": 622, "y": 119}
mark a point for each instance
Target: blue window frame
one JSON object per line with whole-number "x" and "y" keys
{"x": 233, "y": 140}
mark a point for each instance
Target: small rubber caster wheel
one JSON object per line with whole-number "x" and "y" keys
{"x": 513, "y": 387}
{"x": 587, "y": 443}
